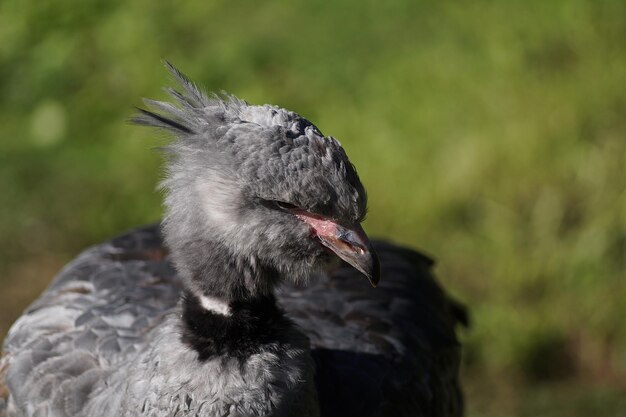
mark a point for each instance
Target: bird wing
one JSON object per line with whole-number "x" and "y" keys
{"x": 98, "y": 312}
{"x": 385, "y": 351}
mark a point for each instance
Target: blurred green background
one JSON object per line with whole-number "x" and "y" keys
{"x": 490, "y": 134}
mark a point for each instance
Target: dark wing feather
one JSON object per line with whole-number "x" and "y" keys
{"x": 389, "y": 351}
{"x": 385, "y": 351}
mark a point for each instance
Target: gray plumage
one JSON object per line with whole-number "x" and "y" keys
{"x": 122, "y": 331}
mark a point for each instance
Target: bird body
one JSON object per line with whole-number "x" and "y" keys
{"x": 106, "y": 340}
{"x": 207, "y": 314}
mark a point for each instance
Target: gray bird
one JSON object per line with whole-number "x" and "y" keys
{"x": 207, "y": 314}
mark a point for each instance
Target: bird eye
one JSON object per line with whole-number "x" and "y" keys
{"x": 284, "y": 206}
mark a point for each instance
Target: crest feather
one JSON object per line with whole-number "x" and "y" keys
{"x": 187, "y": 114}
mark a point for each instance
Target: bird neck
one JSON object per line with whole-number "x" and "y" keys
{"x": 214, "y": 273}
{"x": 247, "y": 327}
{"x": 228, "y": 303}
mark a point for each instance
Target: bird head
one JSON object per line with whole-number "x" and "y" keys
{"x": 260, "y": 183}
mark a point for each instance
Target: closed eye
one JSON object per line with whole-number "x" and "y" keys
{"x": 293, "y": 209}
{"x": 284, "y": 205}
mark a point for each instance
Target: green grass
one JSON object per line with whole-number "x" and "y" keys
{"x": 491, "y": 134}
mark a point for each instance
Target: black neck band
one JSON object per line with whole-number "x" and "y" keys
{"x": 250, "y": 325}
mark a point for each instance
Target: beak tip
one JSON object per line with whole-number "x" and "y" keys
{"x": 374, "y": 277}
{"x": 353, "y": 246}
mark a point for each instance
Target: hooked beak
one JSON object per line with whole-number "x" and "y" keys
{"x": 350, "y": 244}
